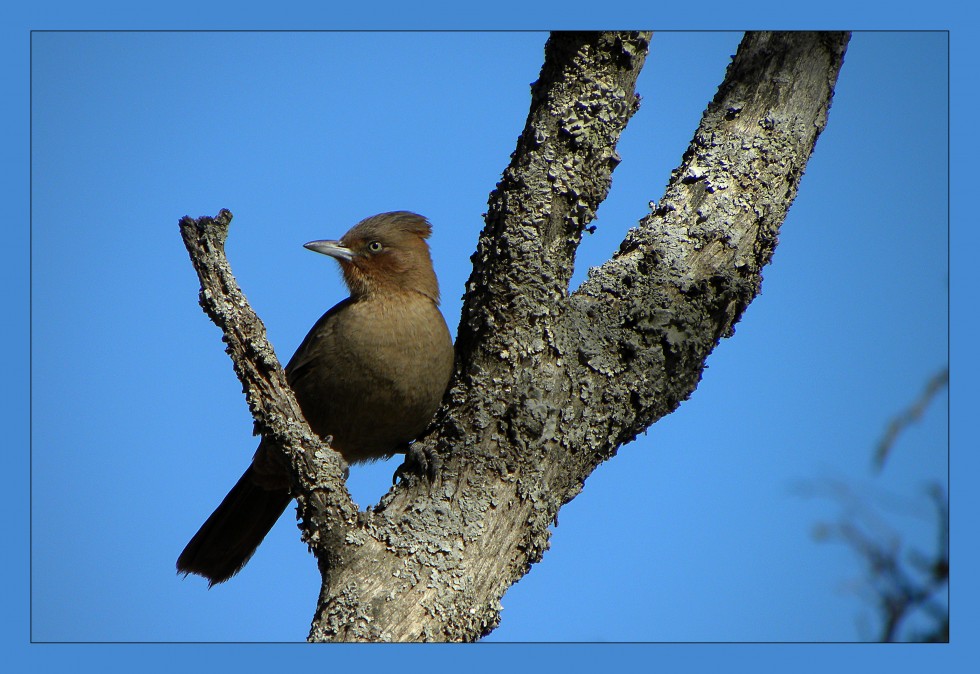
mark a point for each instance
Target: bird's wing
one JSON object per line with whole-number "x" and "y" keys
{"x": 313, "y": 346}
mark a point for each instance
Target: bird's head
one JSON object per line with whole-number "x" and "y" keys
{"x": 385, "y": 253}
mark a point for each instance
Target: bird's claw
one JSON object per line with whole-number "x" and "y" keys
{"x": 419, "y": 462}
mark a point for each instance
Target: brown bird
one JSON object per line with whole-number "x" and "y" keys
{"x": 371, "y": 373}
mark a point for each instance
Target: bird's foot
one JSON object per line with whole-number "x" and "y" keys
{"x": 420, "y": 462}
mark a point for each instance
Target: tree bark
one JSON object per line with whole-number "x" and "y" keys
{"x": 548, "y": 383}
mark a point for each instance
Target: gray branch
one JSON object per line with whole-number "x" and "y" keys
{"x": 326, "y": 509}
{"x": 645, "y": 321}
{"x": 550, "y": 383}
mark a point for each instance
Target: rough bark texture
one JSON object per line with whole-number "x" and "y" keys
{"x": 549, "y": 384}
{"x": 326, "y": 509}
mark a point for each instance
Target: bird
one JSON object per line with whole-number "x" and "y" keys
{"x": 370, "y": 375}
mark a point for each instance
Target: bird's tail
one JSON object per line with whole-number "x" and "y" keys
{"x": 229, "y": 538}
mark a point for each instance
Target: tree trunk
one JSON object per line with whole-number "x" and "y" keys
{"x": 548, "y": 383}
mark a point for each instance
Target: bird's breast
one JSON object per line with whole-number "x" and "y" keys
{"x": 373, "y": 374}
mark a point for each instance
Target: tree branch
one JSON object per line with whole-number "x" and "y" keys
{"x": 646, "y": 320}
{"x": 550, "y": 384}
{"x": 326, "y": 510}
{"x": 909, "y": 416}
{"x": 558, "y": 175}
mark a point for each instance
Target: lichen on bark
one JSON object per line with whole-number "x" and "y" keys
{"x": 550, "y": 382}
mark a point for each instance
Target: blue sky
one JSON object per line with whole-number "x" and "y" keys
{"x": 694, "y": 532}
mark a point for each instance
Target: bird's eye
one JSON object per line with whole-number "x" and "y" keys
{"x": 374, "y": 246}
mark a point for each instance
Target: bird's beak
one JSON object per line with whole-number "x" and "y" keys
{"x": 334, "y": 249}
